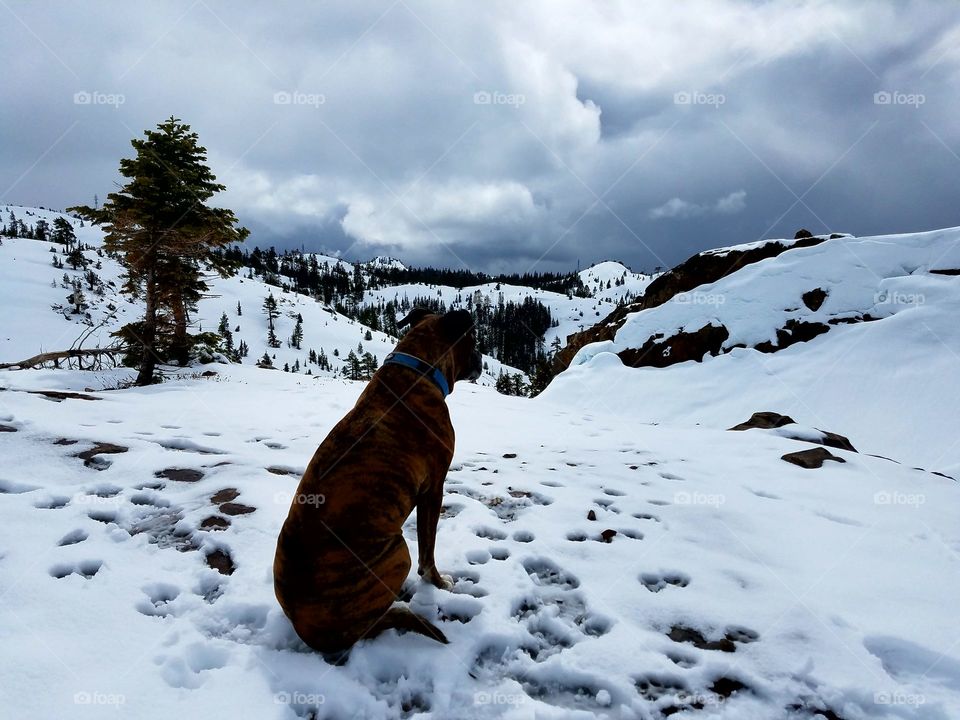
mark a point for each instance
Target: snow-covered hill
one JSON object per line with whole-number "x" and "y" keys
{"x": 39, "y": 318}
{"x": 882, "y": 367}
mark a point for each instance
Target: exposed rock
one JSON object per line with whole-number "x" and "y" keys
{"x": 180, "y": 474}
{"x": 277, "y": 470}
{"x": 7, "y": 428}
{"x": 232, "y": 508}
{"x": 770, "y": 420}
{"x": 221, "y": 562}
{"x": 802, "y": 233}
{"x": 591, "y": 515}
{"x": 793, "y": 332}
{"x": 682, "y": 634}
{"x": 509, "y": 456}
{"x": 214, "y": 522}
{"x": 608, "y": 535}
{"x": 60, "y": 395}
{"x": 812, "y": 458}
{"x": 946, "y": 271}
{"x": 91, "y": 457}
{"x": 813, "y": 299}
{"x": 661, "y": 353}
{"x": 866, "y": 317}
{"x": 765, "y": 421}
{"x": 697, "y": 270}
{"x": 225, "y": 495}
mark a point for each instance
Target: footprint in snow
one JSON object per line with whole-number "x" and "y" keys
{"x": 655, "y": 582}
{"x": 489, "y": 533}
{"x": 73, "y": 537}
{"x": 545, "y": 572}
{"x": 158, "y": 599}
{"x": 85, "y": 569}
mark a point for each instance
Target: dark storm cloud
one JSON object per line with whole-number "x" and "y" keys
{"x": 503, "y": 136}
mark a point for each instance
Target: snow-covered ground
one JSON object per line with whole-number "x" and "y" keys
{"x": 825, "y": 589}
{"x": 612, "y": 557}
{"x": 892, "y": 385}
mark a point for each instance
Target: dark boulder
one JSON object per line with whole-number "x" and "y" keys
{"x": 812, "y": 458}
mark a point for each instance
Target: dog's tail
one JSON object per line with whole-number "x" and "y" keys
{"x": 403, "y": 618}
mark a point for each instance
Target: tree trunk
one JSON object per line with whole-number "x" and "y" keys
{"x": 148, "y": 357}
{"x": 180, "y": 348}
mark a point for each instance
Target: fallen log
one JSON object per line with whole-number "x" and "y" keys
{"x": 58, "y": 355}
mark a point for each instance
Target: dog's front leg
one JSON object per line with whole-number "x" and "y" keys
{"x": 428, "y": 515}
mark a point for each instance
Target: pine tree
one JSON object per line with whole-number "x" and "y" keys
{"x": 265, "y": 361}
{"x": 368, "y": 335}
{"x": 297, "y": 336}
{"x": 272, "y": 312}
{"x": 166, "y": 236}
{"x": 40, "y": 232}
{"x": 63, "y": 233}
{"x": 239, "y": 309}
{"x": 76, "y": 259}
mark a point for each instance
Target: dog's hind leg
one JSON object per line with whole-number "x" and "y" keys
{"x": 403, "y": 618}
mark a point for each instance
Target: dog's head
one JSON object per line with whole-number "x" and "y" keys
{"x": 447, "y": 341}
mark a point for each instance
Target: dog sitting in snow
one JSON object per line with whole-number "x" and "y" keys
{"x": 341, "y": 561}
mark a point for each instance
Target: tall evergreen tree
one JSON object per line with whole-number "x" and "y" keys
{"x": 166, "y": 237}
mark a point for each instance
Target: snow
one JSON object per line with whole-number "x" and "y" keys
{"x": 835, "y": 588}
{"x": 836, "y": 584}
{"x": 891, "y": 385}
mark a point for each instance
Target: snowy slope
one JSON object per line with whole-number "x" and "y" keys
{"x": 834, "y": 588}
{"x": 891, "y": 384}
{"x": 30, "y": 287}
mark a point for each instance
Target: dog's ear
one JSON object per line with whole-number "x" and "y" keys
{"x": 415, "y": 316}
{"x": 457, "y": 323}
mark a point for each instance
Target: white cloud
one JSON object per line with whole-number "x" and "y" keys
{"x": 679, "y": 208}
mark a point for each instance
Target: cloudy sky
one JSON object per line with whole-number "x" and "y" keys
{"x": 503, "y": 136}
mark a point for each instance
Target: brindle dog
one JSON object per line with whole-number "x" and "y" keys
{"x": 341, "y": 557}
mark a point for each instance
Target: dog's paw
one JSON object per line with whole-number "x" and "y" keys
{"x": 435, "y": 578}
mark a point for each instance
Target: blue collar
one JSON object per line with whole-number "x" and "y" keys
{"x": 414, "y": 363}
